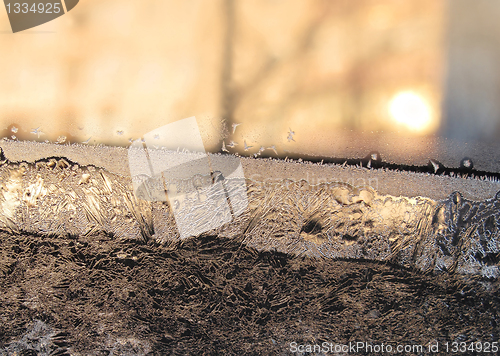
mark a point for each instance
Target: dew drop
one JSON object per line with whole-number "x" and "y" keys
{"x": 466, "y": 163}
{"x": 119, "y": 132}
{"x": 14, "y": 129}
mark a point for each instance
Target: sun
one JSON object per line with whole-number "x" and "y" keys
{"x": 410, "y": 110}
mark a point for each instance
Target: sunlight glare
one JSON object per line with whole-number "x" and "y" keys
{"x": 411, "y": 110}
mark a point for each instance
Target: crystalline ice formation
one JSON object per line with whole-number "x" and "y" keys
{"x": 329, "y": 220}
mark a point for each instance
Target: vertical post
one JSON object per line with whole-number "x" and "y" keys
{"x": 227, "y": 95}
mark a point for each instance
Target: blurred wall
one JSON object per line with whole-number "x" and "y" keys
{"x": 113, "y": 70}
{"x": 472, "y": 106}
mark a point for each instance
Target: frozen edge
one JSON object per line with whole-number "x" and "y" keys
{"x": 385, "y": 182}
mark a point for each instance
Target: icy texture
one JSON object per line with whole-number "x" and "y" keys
{"x": 333, "y": 220}
{"x": 39, "y": 337}
{"x": 42, "y": 340}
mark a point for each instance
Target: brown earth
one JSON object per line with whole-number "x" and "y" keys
{"x": 209, "y": 296}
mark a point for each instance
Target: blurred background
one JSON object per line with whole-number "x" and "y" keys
{"x": 413, "y": 80}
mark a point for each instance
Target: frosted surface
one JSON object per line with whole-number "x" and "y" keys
{"x": 328, "y": 219}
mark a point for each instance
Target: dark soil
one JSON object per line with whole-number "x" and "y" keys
{"x": 210, "y": 296}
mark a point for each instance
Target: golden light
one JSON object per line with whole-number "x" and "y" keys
{"x": 411, "y": 110}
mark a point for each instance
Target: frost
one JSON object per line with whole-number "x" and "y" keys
{"x": 327, "y": 219}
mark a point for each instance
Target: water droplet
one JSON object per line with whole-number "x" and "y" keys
{"x": 119, "y": 132}
{"x": 14, "y": 137}
{"x": 466, "y": 163}
{"x": 14, "y": 129}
